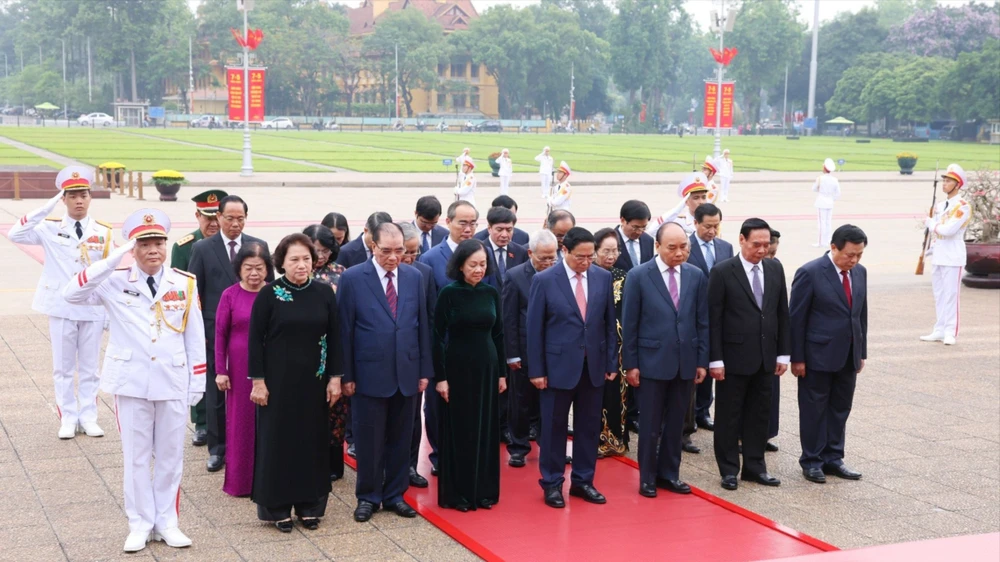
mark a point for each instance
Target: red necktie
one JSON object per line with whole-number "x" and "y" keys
{"x": 847, "y": 289}
{"x": 390, "y": 293}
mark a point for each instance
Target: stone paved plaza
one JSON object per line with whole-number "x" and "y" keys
{"x": 925, "y": 429}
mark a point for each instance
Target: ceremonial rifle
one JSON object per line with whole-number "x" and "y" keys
{"x": 927, "y": 231}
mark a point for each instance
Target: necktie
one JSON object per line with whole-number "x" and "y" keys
{"x": 758, "y": 289}
{"x": 581, "y": 298}
{"x": 152, "y": 285}
{"x": 632, "y": 253}
{"x": 425, "y": 246}
{"x": 390, "y": 293}
{"x": 672, "y": 287}
{"x": 232, "y": 250}
{"x": 847, "y": 289}
{"x": 502, "y": 260}
{"x": 79, "y": 230}
{"x": 709, "y": 255}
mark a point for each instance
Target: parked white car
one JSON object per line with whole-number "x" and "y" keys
{"x": 278, "y": 123}
{"x": 96, "y": 120}
{"x": 207, "y": 121}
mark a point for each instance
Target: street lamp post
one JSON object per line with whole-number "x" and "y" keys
{"x": 65, "y": 108}
{"x": 247, "y": 169}
{"x": 723, "y": 22}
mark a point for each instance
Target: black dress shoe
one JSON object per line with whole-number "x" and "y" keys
{"x": 770, "y": 447}
{"x": 814, "y": 475}
{"x": 632, "y": 426}
{"x": 533, "y": 434}
{"x": 334, "y": 476}
{"x": 588, "y": 493}
{"x": 705, "y": 423}
{"x": 762, "y": 478}
{"x": 841, "y": 471}
{"x": 402, "y": 509}
{"x": 486, "y": 504}
{"x": 215, "y": 463}
{"x": 647, "y": 490}
{"x": 516, "y": 461}
{"x": 554, "y": 498}
{"x": 311, "y": 523}
{"x": 569, "y": 459}
{"x": 690, "y": 447}
{"x": 350, "y": 451}
{"x": 200, "y": 438}
{"x": 675, "y": 486}
{"x": 284, "y": 526}
{"x": 416, "y": 480}
{"x": 434, "y": 470}
{"x": 729, "y": 482}
{"x": 364, "y": 511}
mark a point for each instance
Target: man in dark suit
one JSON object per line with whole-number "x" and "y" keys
{"x": 385, "y": 326}
{"x": 502, "y": 252}
{"x": 462, "y": 218}
{"x": 522, "y": 409}
{"x": 211, "y": 263}
{"x": 572, "y": 331}
{"x": 634, "y": 245}
{"x": 829, "y": 319}
{"x": 706, "y": 251}
{"x": 519, "y": 237}
{"x": 425, "y": 218}
{"x": 558, "y": 223}
{"x": 749, "y": 344}
{"x": 664, "y": 353}
{"x": 359, "y": 250}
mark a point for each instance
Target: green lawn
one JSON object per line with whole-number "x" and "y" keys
{"x": 423, "y": 152}
{"x": 10, "y": 156}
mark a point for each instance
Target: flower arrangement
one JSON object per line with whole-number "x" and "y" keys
{"x": 113, "y": 166}
{"x": 983, "y": 195}
{"x": 906, "y": 161}
{"x": 164, "y": 178}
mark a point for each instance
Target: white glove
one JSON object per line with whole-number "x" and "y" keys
{"x": 194, "y": 397}
{"x": 930, "y": 223}
{"x": 119, "y": 253}
{"x": 51, "y": 203}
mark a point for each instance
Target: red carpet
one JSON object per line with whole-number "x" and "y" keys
{"x": 968, "y": 548}
{"x": 629, "y": 527}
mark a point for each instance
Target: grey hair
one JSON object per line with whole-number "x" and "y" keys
{"x": 409, "y": 231}
{"x": 541, "y": 238}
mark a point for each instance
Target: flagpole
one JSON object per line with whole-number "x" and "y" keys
{"x": 247, "y": 168}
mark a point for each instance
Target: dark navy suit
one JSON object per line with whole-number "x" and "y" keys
{"x": 646, "y": 251}
{"x": 723, "y": 251}
{"x": 418, "y": 425}
{"x": 515, "y": 256}
{"x": 667, "y": 344}
{"x": 437, "y": 259}
{"x": 522, "y": 407}
{"x": 574, "y": 354}
{"x": 437, "y": 235}
{"x": 519, "y": 237}
{"x": 831, "y": 338}
{"x": 353, "y": 253}
{"x": 385, "y": 357}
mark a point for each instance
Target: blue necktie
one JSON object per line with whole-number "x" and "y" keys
{"x": 502, "y": 261}
{"x": 426, "y": 246}
{"x": 709, "y": 255}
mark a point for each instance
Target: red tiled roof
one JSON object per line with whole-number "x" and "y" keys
{"x": 451, "y": 14}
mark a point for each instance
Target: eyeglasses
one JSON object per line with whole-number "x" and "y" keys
{"x": 240, "y": 220}
{"x": 466, "y": 224}
{"x": 399, "y": 252}
{"x": 635, "y": 227}
{"x": 582, "y": 257}
{"x": 545, "y": 259}
{"x": 608, "y": 252}
{"x": 414, "y": 254}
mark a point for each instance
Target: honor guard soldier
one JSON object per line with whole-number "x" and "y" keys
{"x": 466, "y": 188}
{"x": 154, "y": 372}
{"x": 562, "y": 191}
{"x": 725, "y": 165}
{"x": 545, "y": 170}
{"x": 710, "y": 167}
{"x": 827, "y": 189}
{"x": 461, "y": 158}
{"x": 206, "y": 209}
{"x": 947, "y": 254}
{"x": 71, "y": 243}
{"x": 693, "y": 191}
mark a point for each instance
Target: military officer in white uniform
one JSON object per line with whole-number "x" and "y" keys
{"x": 725, "y": 165}
{"x": 71, "y": 243}
{"x": 545, "y": 171}
{"x": 693, "y": 191}
{"x": 461, "y": 158}
{"x": 506, "y": 171}
{"x": 709, "y": 168}
{"x": 466, "y": 188}
{"x": 947, "y": 254}
{"x": 154, "y": 366}
{"x": 827, "y": 189}
{"x": 562, "y": 191}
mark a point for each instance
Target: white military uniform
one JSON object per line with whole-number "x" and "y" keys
{"x": 506, "y": 171}
{"x": 561, "y": 193}
{"x": 545, "y": 172}
{"x": 827, "y": 189}
{"x": 710, "y": 165}
{"x": 155, "y": 368}
{"x": 680, "y": 214}
{"x": 466, "y": 188}
{"x": 75, "y": 331}
{"x": 947, "y": 255}
{"x": 461, "y": 158}
{"x": 725, "y": 166}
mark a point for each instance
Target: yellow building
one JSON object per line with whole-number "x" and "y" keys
{"x": 465, "y": 87}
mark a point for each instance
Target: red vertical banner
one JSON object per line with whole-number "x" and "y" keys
{"x": 234, "y": 79}
{"x": 257, "y": 77}
{"x": 727, "y": 105}
{"x": 711, "y": 99}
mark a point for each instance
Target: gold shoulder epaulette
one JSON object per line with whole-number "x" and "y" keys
{"x": 123, "y": 268}
{"x": 56, "y": 219}
{"x": 185, "y": 240}
{"x": 184, "y": 273}
{"x": 105, "y": 224}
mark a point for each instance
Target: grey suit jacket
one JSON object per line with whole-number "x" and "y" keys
{"x": 214, "y": 272}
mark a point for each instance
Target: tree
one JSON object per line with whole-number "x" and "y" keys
{"x": 501, "y": 40}
{"x": 971, "y": 89}
{"x": 852, "y": 97}
{"x": 916, "y": 85}
{"x": 762, "y": 56}
{"x": 422, "y": 47}
{"x": 594, "y": 14}
{"x": 892, "y": 12}
{"x": 946, "y": 32}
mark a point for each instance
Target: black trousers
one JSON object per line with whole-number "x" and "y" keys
{"x": 382, "y": 431}
{"x": 663, "y": 406}
{"x": 522, "y": 408}
{"x": 316, "y": 508}
{"x": 742, "y": 408}
{"x": 703, "y": 398}
{"x": 772, "y": 423}
{"x": 215, "y": 400}
{"x": 689, "y": 420}
{"x": 825, "y": 401}
{"x": 586, "y": 400}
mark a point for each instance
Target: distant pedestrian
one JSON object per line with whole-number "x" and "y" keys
{"x": 827, "y": 190}
{"x": 506, "y": 171}
{"x": 545, "y": 170}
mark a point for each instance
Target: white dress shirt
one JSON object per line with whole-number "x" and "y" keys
{"x": 665, "y": 273}
{"x": 157, "y": 279}
{"x": 573, "y": 280}
{"x": 850, "y": 279}
{"x": 748, "y": 269}
{"x": 704, "y": 250}
{"x": 385, "y": 280}
{"x": 226, "y": 240}
{"x": 452, "y": 244}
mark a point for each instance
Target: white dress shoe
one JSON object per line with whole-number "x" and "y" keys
{"x": 173, "y": 537}
{"x": 136, "y": 541}
{"x": 949, "y": 340}
{"x": 67, "y": 430}
{"x": 933, "y": 337}
{"x": 92, "y": 429}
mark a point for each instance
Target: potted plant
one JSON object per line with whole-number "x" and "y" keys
{"x": 113, "y": 170}
{"x": 168, "y": 183}
{"x": 982, "y": 239}
{"x": 494, "y": 165}
{"x": 906, "y": 161}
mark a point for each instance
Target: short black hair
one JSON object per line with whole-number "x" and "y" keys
{"x": 428, "y": 207}
{"x": 848, "y": 233}
{"x": 338, "y": 221}
{"x": 463, "y": 252}
{"x": 635, "y": 210}
{"x": 232, "y": 199}
{"x": 253, "y": 250}
{"x": 500, "y": 215}
{"x": 775, "y": 236}
{"x": 663, "y": 228}
{"x": 576, "y": 236}
{"x": 559, "y": 214}
{"x": 375, "y": 219}
{"x": 386, "y": 229}
{"x": 287, "y": 242}
{"x": 603, "y": 233}
{"x": 504, "y": 201}
{"x": 323, "y": 235}
{"x": 706, "y": 210}
{"x": 453, "y": 208}
{"x": 752, "y": 224}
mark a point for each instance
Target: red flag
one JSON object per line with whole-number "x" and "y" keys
{"x": 238, "y": 37}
